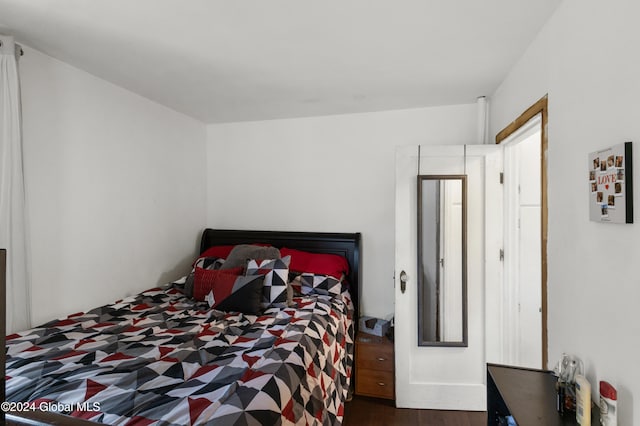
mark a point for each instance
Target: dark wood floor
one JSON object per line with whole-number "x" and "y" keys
{"x": 372, "y": 411}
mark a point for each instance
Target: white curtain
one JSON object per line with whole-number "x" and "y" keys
{"x": 13, "y": 224}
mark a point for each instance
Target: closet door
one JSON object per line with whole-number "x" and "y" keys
{"x": 440, "y": 376}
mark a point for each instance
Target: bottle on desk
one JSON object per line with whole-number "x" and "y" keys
{"x": 608, "y": 402}
{"x": 583, "y": 400}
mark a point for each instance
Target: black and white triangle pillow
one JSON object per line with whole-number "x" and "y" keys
{"x": 276, "y": 276}
{"x": 320, "y": 284}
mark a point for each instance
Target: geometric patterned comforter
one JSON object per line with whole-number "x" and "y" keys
{"x": 159, "y": 358}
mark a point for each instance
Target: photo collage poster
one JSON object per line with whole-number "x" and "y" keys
{"x": 610, "y": 185}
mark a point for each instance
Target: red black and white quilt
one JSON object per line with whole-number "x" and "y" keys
{"x": 159, "y": 358}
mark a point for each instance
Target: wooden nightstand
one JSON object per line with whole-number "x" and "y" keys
{"x": 375, "y": 366}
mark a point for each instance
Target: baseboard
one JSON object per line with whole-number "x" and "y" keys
{"x": 439, "y": 396}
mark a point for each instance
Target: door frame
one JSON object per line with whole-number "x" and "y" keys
{"x": 540, "y": 107}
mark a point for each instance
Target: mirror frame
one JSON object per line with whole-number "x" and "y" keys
{"x": 421, "y": 295}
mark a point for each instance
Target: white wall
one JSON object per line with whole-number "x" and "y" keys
{"x": 115, "y": 188}
{"x": 331, "y": 174}
{"x": 586, "y": 60}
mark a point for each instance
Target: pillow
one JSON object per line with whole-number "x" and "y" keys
{"x": 243, "y": 252}
{"x": 209, "y": 263}
{"x": 275, "y": 292}
{"x": 205, "y": 279}
{"x": 223, "y": 251}
{"x": 217, "y": 251}
{"x": 227, "y": 290}
{"x": 240, "y": 294}
{"x": 317, "y": 263}
{"x": 320, "y": 284}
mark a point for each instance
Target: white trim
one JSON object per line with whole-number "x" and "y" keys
{"x": 524, "y": 131}
{"x": 444, "y": 396}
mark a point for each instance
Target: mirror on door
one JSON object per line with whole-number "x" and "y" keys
{"x": 442, "y": 270}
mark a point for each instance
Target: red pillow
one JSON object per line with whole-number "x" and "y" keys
{"x": 217, "y": 251}
{"x": 317, "y": 263}
{"x": 204, "y": 280}
{"x": 223, "y": 251}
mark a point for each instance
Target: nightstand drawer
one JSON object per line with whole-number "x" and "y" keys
{"x": 375, "y": 366}
{"x": 374, "y": 383}
{"x": 375, "y": 357}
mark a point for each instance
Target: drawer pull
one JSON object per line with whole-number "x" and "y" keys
{"x": 381, "y": 384}
{"x": 381, "y": 359}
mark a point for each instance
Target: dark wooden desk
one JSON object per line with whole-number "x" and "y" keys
{"x": 527, "y": 395}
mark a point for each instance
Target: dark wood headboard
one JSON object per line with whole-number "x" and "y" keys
{"x": 343, "y": 244}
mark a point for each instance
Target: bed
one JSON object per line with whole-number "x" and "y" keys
{"x": 161, "y": 358}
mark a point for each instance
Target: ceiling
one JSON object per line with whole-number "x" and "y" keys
{"x": 221, "y": 60}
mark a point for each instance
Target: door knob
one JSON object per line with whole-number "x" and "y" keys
{"x": 403, "y": 281}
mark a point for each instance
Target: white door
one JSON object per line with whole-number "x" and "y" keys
{"x": 437, "y": 377}
{"x": 523, "y": 278}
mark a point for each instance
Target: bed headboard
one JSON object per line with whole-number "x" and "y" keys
{"x": 343, "y": 244}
